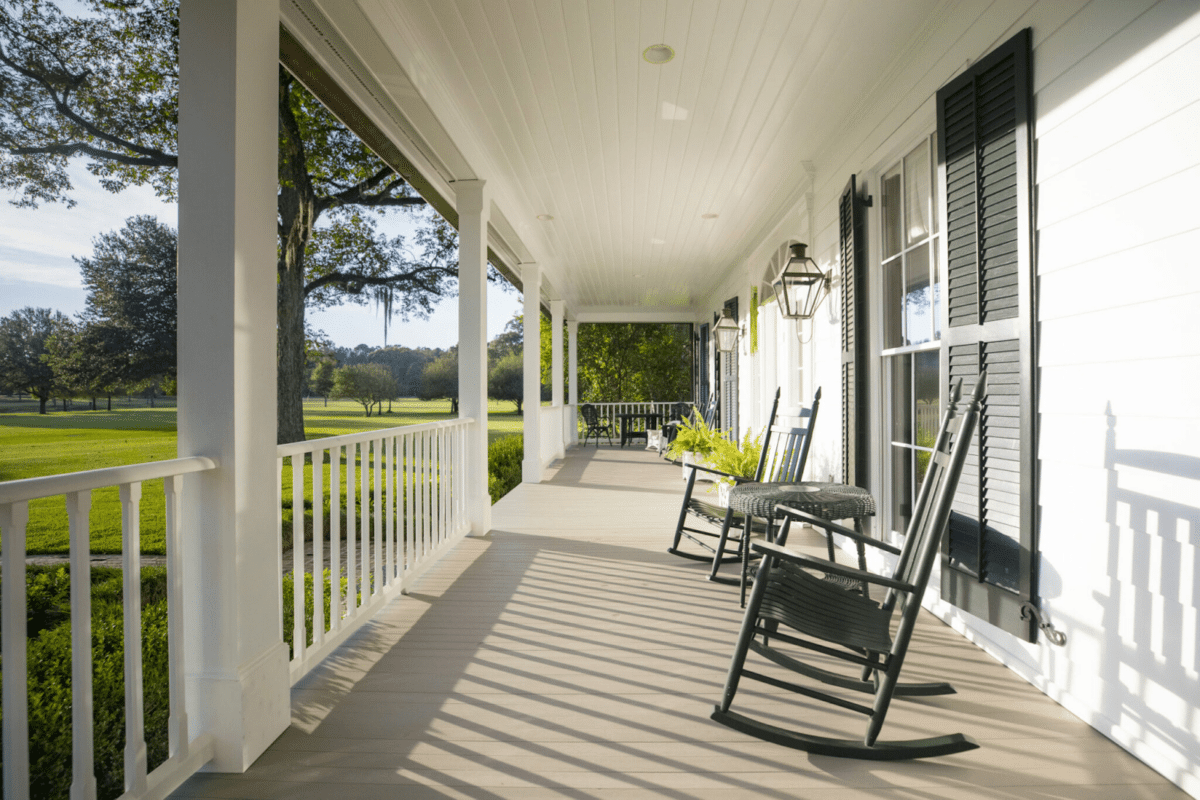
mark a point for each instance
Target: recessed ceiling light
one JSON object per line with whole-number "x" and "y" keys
{"x": 658, "y": 53}
{"x": 545, "y": 217}
{"x": 709, "y": 215}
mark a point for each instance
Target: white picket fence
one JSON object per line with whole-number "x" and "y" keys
{"x": 184, "y": 756}
{"x": 404, "y": 505}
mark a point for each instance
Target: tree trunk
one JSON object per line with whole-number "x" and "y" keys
{"x": 297, "y": 215}
{"x": 110, "y": 402}
{"x": 42, "y": 405}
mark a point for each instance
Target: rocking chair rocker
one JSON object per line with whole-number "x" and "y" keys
{"x": 788, "y": 593}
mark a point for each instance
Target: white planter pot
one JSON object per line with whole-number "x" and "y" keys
{"x": 690, "y": 459}
{"x": 723, "y": 494}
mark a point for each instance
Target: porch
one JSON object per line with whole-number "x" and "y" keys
{"x": 566, "y": 654}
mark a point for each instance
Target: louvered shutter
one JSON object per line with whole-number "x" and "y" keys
{"x": 855, "y": 419}
{"x": 985, "y": 176}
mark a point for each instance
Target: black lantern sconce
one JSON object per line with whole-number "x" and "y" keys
{"x": 801, "y": 286}
{"x": 726, "y": 331}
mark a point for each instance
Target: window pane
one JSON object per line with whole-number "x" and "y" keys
{"x": 893, "y": 304}
{"x": 918, "y": 302}
{"x": 902, "y": 497}
{"x": 901, "y": 369}
{"x": 917, "y": 207}
{"x": 891, "y": 213}
{"x": 937, "y": 295}
{"x": 927, "y": 380}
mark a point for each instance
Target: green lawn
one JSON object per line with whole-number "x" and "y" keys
{"x": 33, "y": 445}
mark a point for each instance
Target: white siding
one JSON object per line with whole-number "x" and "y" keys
{"x": 1117, "y": 198}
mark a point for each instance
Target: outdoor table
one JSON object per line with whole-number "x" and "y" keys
{"x": 650, "y": 419}
{"x": 821, "y": 499}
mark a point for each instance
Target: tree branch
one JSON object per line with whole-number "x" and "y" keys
{"x": 373, "y": 280}
{"x": 76, "y": 148}
{"x": 360, "y": 194}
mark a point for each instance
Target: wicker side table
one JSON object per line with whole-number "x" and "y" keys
{"x": 821, "y": 499}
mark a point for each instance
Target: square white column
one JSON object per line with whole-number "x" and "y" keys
{"x": 556, "y": 370}
{"x": 572, "y": 380}
{"x": 236, "y": 662}
{"x": 473, "y": 203}
{"x": 531, "y": 283}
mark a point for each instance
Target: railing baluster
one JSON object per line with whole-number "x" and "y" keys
{"x": 83, "y": 778}
{"x": 13, "y": 519}
{"x": 131, "y": 548}
{"x": 411, "y": 469}
{"x": 364, "y": 521}
{"x": 335, "y": 538}
{"x": 441, "y": 484}
{"x": 298, "y": 590}
{"x": 377, "y": 461}
{"x": 177, "y": 724}
{"x": 351, "y": 545}
{"x": 389, "y": 529}
{"x": 318, "y": 514}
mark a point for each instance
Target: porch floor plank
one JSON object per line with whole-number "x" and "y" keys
{"x": 568, "y": 655}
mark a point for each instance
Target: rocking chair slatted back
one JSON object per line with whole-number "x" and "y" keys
{"x": 785, "y": 451}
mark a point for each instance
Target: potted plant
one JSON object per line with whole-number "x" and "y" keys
{"x": 736, "y": 459}
{"x": 693, "y": 443}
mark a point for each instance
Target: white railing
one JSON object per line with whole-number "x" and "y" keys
{"x": 404, "y": 505}
{"x": 184, "y": 757}
{"x": 611, "y": 412}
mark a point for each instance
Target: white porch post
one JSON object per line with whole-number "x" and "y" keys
{"x": 531, "y": 282}
{"x": 473, "y": 204}
{"x": 236, "y": 663}
{"x": 556, "y": 370}
{"x": 573, "y": 380}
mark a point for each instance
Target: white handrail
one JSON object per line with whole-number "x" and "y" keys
{"x": 70, "y": 482}
{"x": 284, "y": 450}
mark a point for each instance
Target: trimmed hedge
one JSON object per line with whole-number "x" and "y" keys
{"x": 504, "y": 465}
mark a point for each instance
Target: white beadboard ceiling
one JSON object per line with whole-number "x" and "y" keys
{"x": 551, "y": 102}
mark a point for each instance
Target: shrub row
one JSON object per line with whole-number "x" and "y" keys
{"x": 504, "y": 465}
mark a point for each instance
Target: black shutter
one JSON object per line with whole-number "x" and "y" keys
{"x": 855, "y": 420}
{"x": 985, "y": 135}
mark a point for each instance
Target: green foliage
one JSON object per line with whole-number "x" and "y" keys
{"x": 49, "y": 664}
{"x": 131, "y": 301}
{"x": 694, "y": 436}
{"x": 289, "y": 608}
{"x": 102, "y": 85}
{"x": 506, "y": 380}
{"x": 504, "y": 465}
{"x": 367, "y": 384}
{"x": 734, "y": 458}
{"x": 24, "y": 346}
{"x": 633, "y": 362}
{"x": 440, "y": 379}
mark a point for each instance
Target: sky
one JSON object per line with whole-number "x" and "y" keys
{"x": 36, "y": 267}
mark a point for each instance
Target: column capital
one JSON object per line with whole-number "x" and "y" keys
{"x": 471, "y": 197}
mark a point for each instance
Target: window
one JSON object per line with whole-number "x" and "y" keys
{"x": 911, "y": 301}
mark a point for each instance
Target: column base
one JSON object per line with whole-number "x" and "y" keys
{"x": 243, "y": 713}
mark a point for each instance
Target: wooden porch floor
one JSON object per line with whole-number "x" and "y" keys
{"x": 568, "y": 655}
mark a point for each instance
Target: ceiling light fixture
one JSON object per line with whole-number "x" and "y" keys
{"x": 709, "y": 215}
{"x": 545, "y": 217}
{"x": 658, "y": 53}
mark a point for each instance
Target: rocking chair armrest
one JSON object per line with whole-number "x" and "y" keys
{"x": 719, "y": 472}
{"x": 833, "y": 527}
{"x": 767, "y": 548}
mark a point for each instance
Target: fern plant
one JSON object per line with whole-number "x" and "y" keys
{"x": 733, "y": 458}
{"x": 695, "y": 437}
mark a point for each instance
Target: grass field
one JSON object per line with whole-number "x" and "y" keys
{"x": 32, "y": 445}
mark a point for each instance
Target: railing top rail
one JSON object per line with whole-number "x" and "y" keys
{"x": 312, "y": 445}
{"x": 51, "y": 485}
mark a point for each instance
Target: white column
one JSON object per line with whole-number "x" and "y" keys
{"x": 473, "y": 203}
{"x": 531, "y": 283}
{"x": 236, "y": 663}
{"x": 573, "y": 379}
{"x": 556, "y": 370}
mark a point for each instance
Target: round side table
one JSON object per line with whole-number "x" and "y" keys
{"x": 829, "y": 501}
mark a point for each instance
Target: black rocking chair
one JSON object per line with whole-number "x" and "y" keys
{"x": 789, "y": 593}
{"x": 784, "y": 453}
{"x": 594, "y": 425}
